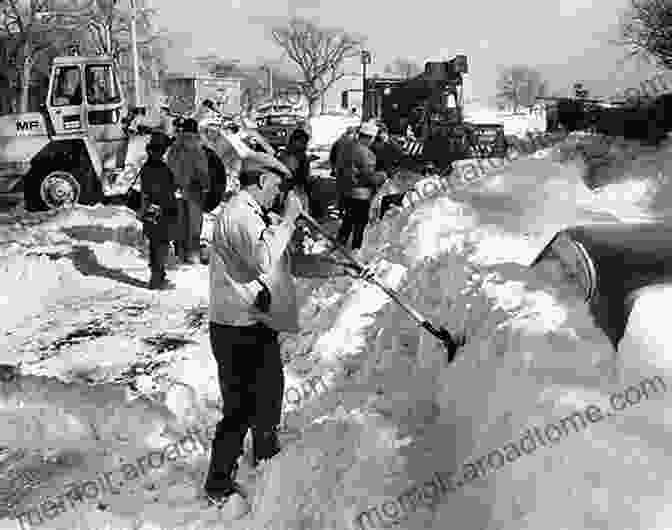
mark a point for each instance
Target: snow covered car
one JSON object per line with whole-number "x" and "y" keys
{"x": 613, "y": 264}
{"x": 277, "y": 128}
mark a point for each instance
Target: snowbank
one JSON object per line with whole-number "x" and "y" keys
{"x": 38, "y": 265}
{"x": 517, "y": 124}
{"x": 395, "y": 412}
{"x": 533, "y": 357}
{"x": 326, "y": 129}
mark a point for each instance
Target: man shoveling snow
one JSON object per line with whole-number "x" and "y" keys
{"x": 252, "y": 298}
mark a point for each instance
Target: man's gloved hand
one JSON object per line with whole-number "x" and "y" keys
{"x": 263, "y": 299}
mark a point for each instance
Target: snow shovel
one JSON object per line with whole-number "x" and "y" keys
{"x": 450, "y": 343}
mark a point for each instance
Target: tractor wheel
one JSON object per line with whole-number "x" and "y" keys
{"x": 60, "y": 190}
{"x": 55, "y": 188}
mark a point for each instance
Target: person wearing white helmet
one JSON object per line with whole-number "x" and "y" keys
{"x": 357, "y": 180}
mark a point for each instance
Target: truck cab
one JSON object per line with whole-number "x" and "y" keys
{"x": 85, "y": 99}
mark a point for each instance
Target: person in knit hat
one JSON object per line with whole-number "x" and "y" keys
{"x": 157, "y": 185}
{"x": 189, "y": 163}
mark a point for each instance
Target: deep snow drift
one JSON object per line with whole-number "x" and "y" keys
{"x": 394, "y": 414}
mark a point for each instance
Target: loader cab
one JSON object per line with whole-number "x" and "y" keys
{"x": 85, "y": 99}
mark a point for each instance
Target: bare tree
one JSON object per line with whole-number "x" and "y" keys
{"x": 520, "y": 86}
{"x": 24, "y": 30}
{"x": 403, "y": 68}
{"x": 646, "y": 31}
{"x": 40, "y": 28}
{"x": 319, "y": 53}
{"x": 216, "y": 65}
{"x": 107, "y": 30}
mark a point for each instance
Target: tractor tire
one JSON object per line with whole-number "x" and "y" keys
{"x": 61, "y": 188}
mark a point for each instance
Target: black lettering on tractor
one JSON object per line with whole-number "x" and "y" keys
{"x": 27, "y": 125}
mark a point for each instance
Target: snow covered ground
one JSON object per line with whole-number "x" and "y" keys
{"x": 514, "y": 124}
{"x": 326, "y": 129}
{"x": 110, "y": 373}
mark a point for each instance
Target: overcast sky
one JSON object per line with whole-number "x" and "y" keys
{"x": 567, "y": 40}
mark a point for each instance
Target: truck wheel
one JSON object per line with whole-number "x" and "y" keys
{"x": 60, "y": 189}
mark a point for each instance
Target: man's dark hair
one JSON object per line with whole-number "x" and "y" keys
{"x": 190, "y": 125}
{"x": 299, "y": 134}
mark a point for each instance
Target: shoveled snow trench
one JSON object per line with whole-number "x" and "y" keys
{"x": 110, "y": 390}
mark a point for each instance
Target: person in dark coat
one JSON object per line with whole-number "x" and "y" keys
{"x": 158, "y": 187}
{"x": 189, "y": 163}
{"x": 295, "y": 157}
{"x": 218, "y": 178}
{"x": 388, "y": 154}
{"x": 350, "y": 135}
{"x": 357, "y": 181}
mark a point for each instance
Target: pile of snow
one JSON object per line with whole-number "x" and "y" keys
{"x": 517, "y": 124}
{"x": 631, "y": 179}
{"x": 533, "y": 356}
{"x": 396, "y": 413}
{"x": 37, "y": 266}
{"x": 326, "y": 129}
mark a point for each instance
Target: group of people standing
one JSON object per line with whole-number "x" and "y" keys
{"x": 361, "y": 160}
{"x": 180, "y": 188}
{"x": 252, "y": 293}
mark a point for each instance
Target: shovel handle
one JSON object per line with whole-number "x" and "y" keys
{"x": 441, "y": 333}
{"x": 359, "y": 267}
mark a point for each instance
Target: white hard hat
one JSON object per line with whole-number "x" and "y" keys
{"x": 369, "y": 129}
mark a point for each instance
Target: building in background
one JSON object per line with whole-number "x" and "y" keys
{"x": 185, "y": 92}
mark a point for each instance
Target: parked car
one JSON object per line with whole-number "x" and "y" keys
{"x": 277, "y": 128}
{"x": 613, "y": 264}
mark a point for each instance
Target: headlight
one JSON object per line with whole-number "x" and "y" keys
{"x": 575, "y": 261}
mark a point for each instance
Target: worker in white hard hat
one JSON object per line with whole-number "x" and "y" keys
{"x": 357, "y": 181}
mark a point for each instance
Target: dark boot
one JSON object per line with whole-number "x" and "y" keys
{"x": 158, "y": 282}
{"x": 265, "y": 446}
{"x": 220, "y": 481}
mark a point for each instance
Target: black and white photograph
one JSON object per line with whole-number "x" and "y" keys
{"x": 307, "y": 265}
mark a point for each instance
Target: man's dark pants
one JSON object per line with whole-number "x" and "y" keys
{"x": 355, "y": 219}
{"x": 159, "y": 250}
{"x": 190, "y": 224}
{"x": 251, "y": 382}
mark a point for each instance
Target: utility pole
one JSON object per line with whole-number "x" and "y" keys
{"x": 136, "y": 60}
{"x": 269, "y": 79}
{"x": 366, "y": 59}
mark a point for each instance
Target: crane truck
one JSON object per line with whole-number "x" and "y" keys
{"x": 431, "y": 106}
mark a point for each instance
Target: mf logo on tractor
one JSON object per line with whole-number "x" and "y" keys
{"x": 27, "y": 125}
